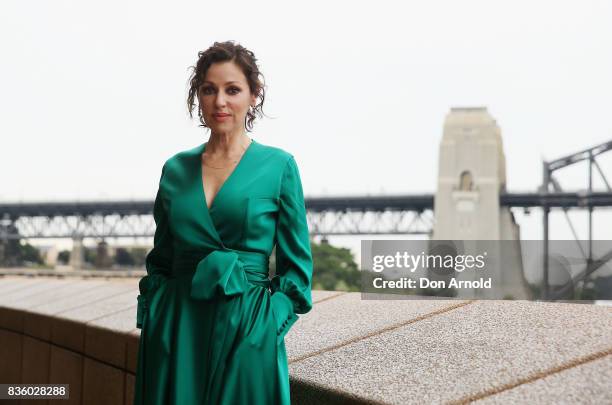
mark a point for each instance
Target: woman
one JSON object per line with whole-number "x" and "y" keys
{"x": 213, "y": 323}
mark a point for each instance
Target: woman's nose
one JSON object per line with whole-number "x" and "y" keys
{"x": 220, "y": 99}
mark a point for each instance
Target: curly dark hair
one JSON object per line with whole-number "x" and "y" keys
{"x": 223, "y": 52}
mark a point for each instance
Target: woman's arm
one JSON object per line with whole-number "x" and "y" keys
{"x": 159, "y": 260}
{"x": 291, "y": 286}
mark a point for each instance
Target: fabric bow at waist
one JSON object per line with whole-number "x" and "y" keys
{"x": 216, "y": 273}
{"x": 222, "y": 272}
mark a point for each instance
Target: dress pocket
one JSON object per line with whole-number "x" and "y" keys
{"x": 261, "y": 217}
{"x": 273, "y": 316}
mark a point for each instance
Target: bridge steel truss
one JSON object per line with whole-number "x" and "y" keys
{"x": 95, "y": 219}
{"x": 400, "y": 215}
{"x": 550, "y": 181}
{"x": 349, "y": 215}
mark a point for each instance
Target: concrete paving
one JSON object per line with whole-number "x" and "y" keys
{"x": 347, "y": 349}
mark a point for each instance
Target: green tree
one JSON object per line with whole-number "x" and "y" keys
{"x": 63, "y": 256}
{"x": 334, "y": 268}
{"x": 90, "y": 254}
{"x": 123, "y": 257}
{"x": 138, "y": 255}
{"x": 30, "y": 254}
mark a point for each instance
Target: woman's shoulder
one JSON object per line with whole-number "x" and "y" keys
{"x": 273, "y": 152}
{"x": 183, "y": 156}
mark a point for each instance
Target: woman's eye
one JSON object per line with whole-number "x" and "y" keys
{"x": 234, "y": 90}
{"x": 206, "y": 90}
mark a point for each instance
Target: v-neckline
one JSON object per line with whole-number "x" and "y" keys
{"x": 201, "y": 175}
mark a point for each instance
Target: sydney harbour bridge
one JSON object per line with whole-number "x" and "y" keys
{"x": 471, "y": 201}
{"x": 406, "y": 214}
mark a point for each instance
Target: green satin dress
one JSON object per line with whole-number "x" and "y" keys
{"x": 212, "y": 322}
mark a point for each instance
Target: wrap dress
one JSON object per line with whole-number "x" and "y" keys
{"x": 212, "y": 320}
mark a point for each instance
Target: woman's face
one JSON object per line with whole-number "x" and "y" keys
{"x": 225, "y": 98}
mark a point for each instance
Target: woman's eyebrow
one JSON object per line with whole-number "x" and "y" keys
{"x": 231, "y": 81}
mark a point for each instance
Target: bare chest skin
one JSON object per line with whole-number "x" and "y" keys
{"x": 213, "y": 179}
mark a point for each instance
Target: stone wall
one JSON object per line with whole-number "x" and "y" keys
{"x": 346, "y": 350}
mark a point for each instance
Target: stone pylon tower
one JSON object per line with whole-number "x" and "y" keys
{"x": 77, "y": 256}
{"x": 472, "y": 174}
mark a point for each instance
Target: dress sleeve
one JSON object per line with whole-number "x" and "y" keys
{"x": 158, "y": 261}
{"x": 291, "y": 285}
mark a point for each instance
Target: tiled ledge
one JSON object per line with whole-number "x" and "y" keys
{"x": 346, "y": 350}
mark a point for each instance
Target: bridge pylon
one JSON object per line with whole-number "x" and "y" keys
{"x": 471, "y": 176}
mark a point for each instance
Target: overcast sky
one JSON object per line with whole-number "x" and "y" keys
{"x": 93, "y": 93}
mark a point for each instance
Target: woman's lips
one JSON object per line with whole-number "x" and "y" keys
{"x": 221, "y": 117}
